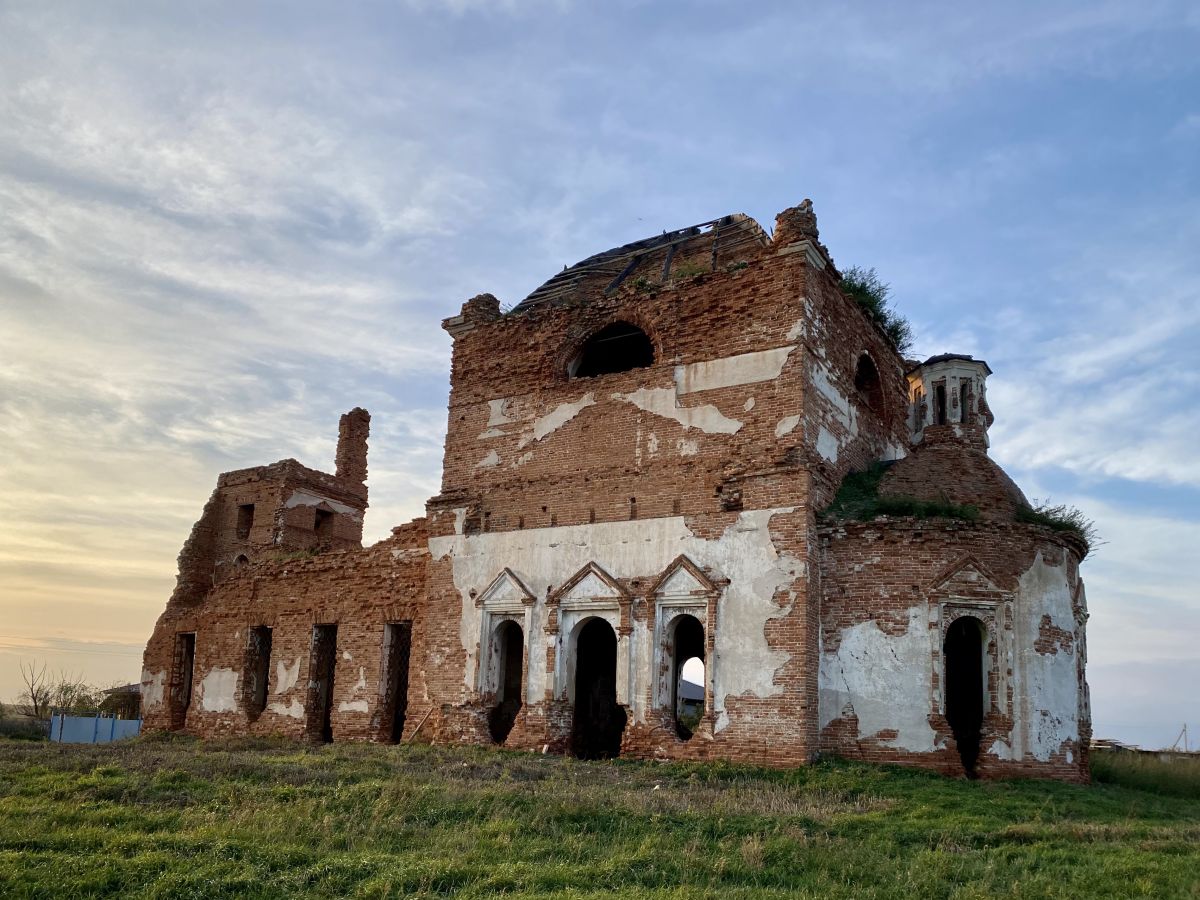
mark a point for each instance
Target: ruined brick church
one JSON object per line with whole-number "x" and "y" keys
{"x": 641, "y": 464}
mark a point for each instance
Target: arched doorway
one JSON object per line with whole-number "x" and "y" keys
{"x": 509, "y": 642}
{"x": 965, "y": 664}
{"x": 687, "y": 663}
{"x": 598, "y": 720}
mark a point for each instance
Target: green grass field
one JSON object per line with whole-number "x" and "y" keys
{"x": 241, "y": 818}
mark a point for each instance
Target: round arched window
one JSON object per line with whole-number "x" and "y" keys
{"x": 618, "y": 347}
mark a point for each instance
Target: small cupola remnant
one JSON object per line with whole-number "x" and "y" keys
{"x": 947, "y": 393}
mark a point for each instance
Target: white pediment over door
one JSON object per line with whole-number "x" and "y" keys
{"x": 591, "y": 583}
{"x": 505, "y": 591}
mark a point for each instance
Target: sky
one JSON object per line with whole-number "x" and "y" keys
{"x": 224, "y": 224}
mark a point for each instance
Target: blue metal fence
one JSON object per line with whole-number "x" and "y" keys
{"x": 91, "y": 729}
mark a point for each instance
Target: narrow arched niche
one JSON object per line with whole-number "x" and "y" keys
{"x": 618, "y": 347}
{"x": 867, "y": 383}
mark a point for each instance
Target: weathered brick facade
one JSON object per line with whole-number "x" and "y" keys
{"x": 635, "y": 460}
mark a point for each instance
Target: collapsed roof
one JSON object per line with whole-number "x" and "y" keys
{"x": 720, "y": 242}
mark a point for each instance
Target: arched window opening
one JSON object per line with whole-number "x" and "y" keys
{"x": 258, "y": 671}
{"x": 687, "y": 663}
{"x": 618, "y": 347}
{"x": 509, "y": 647}
{"x": 241, "y": 561}
{"x": 964, "y": 402}
{"x": 397, "y": 651}
{"x": 939, "y": 403}
{"x": 245, "y": 520}
{"x": 323, "y": 523}
{"x": 867, "y": 383}
{"x": 181, "y": 678}
{"x": 966, "y": 686}
{"x": 598, "y": 720}
{"x": 322, "y": 664}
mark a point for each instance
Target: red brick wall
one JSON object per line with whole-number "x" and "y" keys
{"x": 359, "y": 591}
{"x": 744, "y": 425}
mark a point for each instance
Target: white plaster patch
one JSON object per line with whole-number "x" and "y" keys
{"x": 293, "y": 710}
{"x": 749, "y": 404}
{"x": 1001, "y": 750}
{"x": 786, "y": 425}
{"x": 153, "y": 688}
{"x": 1048, "y": 689}
{"x": 652, "y": 443}
{"x": 498, "y": 412}
{"x": 346, "y": 655}
{"x": 353, "y": 706}
{"x": 827, "y": 445}
{"x": 843, "y": 408}
{"x": 884, "y": 680}
{"x": 556, "y": 419}
{"x": 661, "y": 402}
{"x": 361, "y": 684}
{"x": 492, "y": 459}
{"x": 731, "y": 371}
{"x": 688, "y": 448}
{"x": 218, "y": 691}
{"x": 304, "y": 498}
{"x": 497, "y": 415}
{"x": 796, "y": 331}
{"x": 286, "y": 676}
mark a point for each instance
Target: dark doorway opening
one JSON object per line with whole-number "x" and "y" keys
{"x": 599, "y": 721}
{"x": 964, "y": 403}
{"x": 397, "y": 650}
{"x": 510, "y": 643}
{"x": 964, "y": 671}
{"x": 258, "y": 670}
{"x": 618, "y": 347}
{"x": 185, "y": 665}
{"x": 687, "y": 698}
{"x": 321, "y": 665}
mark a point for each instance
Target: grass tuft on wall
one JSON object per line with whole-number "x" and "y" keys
{"x": 858, "y": 499}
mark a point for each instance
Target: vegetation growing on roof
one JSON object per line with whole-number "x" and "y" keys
{"x": 644, "y": 285}
{"x": 871, "y": 294}
{"x": 858, "y": 499}
{"x": 688, "y": 269}
{"x": 1061, "y": 517}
